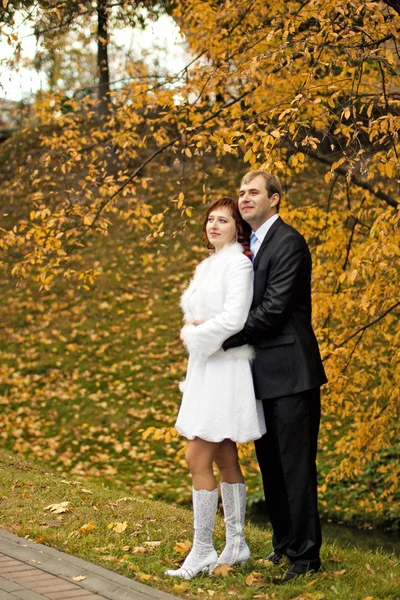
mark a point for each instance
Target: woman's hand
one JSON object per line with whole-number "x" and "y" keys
{"x": 195, "y": 323}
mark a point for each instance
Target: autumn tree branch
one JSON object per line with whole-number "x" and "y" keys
{"x": 362, "y": 329}
{"x": 167, "y": 145}
{"x": 151, "y": 158}
{"x": 356, "y": 180}
{"x": 395, "y": 4}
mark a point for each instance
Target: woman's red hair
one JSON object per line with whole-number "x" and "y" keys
{"x": 243, "y": 229}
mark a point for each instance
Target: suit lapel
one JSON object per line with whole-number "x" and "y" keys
{"x": 269, "y": 235}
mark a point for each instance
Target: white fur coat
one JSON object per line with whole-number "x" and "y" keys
{"x": 220, "y": 294}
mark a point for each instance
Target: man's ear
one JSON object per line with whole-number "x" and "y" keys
{"x": 275, "y": 199}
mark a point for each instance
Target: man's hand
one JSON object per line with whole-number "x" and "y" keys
{"x": 235, "y": 340}
{"x": 195, "y": 323}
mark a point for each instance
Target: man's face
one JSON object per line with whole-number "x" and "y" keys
{"x": 254, "y": 203}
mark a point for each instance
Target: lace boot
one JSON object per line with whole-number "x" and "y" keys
{"x": 203, "y": 556}
{"x": 234, "y": 501}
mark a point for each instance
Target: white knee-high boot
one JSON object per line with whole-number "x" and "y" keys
{"x": 234, "y": 501}
{"x": 203, "y": 554}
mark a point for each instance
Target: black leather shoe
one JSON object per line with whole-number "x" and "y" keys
{"x": 299, "y": 569}
{"x": 275, "y": 557}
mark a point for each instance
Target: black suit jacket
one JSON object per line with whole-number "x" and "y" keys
{"x": 279, "y": 326}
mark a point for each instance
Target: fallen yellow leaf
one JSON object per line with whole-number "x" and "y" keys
{"x": 334, "y": 559}
{"x": 40, "y": 539}
{"x": 79, "y": 578}
{"x": 139, "y": 550}
{"x": 62, "y": 507}
{"x": 179, "y": 586}
{"x": 266, "y": 564}
{"x": 370, "y": 569}
{"x": 152, "y": 544}
{"x": 222, "y": 570}
{"x": 254, "y": 579}
{"x": 118, "y": 527}
{"x": 87, "y": 527}
{"x": 183, "y": 547}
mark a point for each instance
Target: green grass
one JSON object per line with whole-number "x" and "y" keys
{"x": 146, "y": 548}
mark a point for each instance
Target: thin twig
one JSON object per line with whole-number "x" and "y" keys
{"x": 362, "y": 329}
{"x": 356, "y": 180}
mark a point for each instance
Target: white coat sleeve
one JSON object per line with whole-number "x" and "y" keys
{"x": 207, "y": 338}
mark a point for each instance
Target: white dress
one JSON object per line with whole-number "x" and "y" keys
{"x": 218, "y": 395}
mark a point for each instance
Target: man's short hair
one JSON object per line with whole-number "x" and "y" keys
{"x": 272, "y": 182}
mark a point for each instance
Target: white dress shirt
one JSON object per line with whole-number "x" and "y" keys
{"x": 261, "y": 233}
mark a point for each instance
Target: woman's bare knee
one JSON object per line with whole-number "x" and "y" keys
{"x": 226, "y": 457}
{"x": 199, "y": 457}
{"x": 228, "y": 462}
{"x": 197, "y": 464}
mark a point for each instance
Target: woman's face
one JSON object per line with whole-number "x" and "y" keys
{"x": 221, "y": 227}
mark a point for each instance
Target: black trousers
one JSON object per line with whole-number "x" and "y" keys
{"x": 286, "y": 455}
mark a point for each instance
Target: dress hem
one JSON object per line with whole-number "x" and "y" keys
{"x": 244, "y": 441}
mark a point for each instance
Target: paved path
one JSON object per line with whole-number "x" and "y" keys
{"x": 30, "y": 571}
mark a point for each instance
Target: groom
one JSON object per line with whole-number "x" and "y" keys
{"x": 287, "y": 373}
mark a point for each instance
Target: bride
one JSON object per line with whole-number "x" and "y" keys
{"x": 218, "y": 408}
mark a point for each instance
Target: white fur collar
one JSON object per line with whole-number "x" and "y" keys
{"x": 227, "y": 250}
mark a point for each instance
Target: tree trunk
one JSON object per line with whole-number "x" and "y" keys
{"x": 102, "y": 59}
